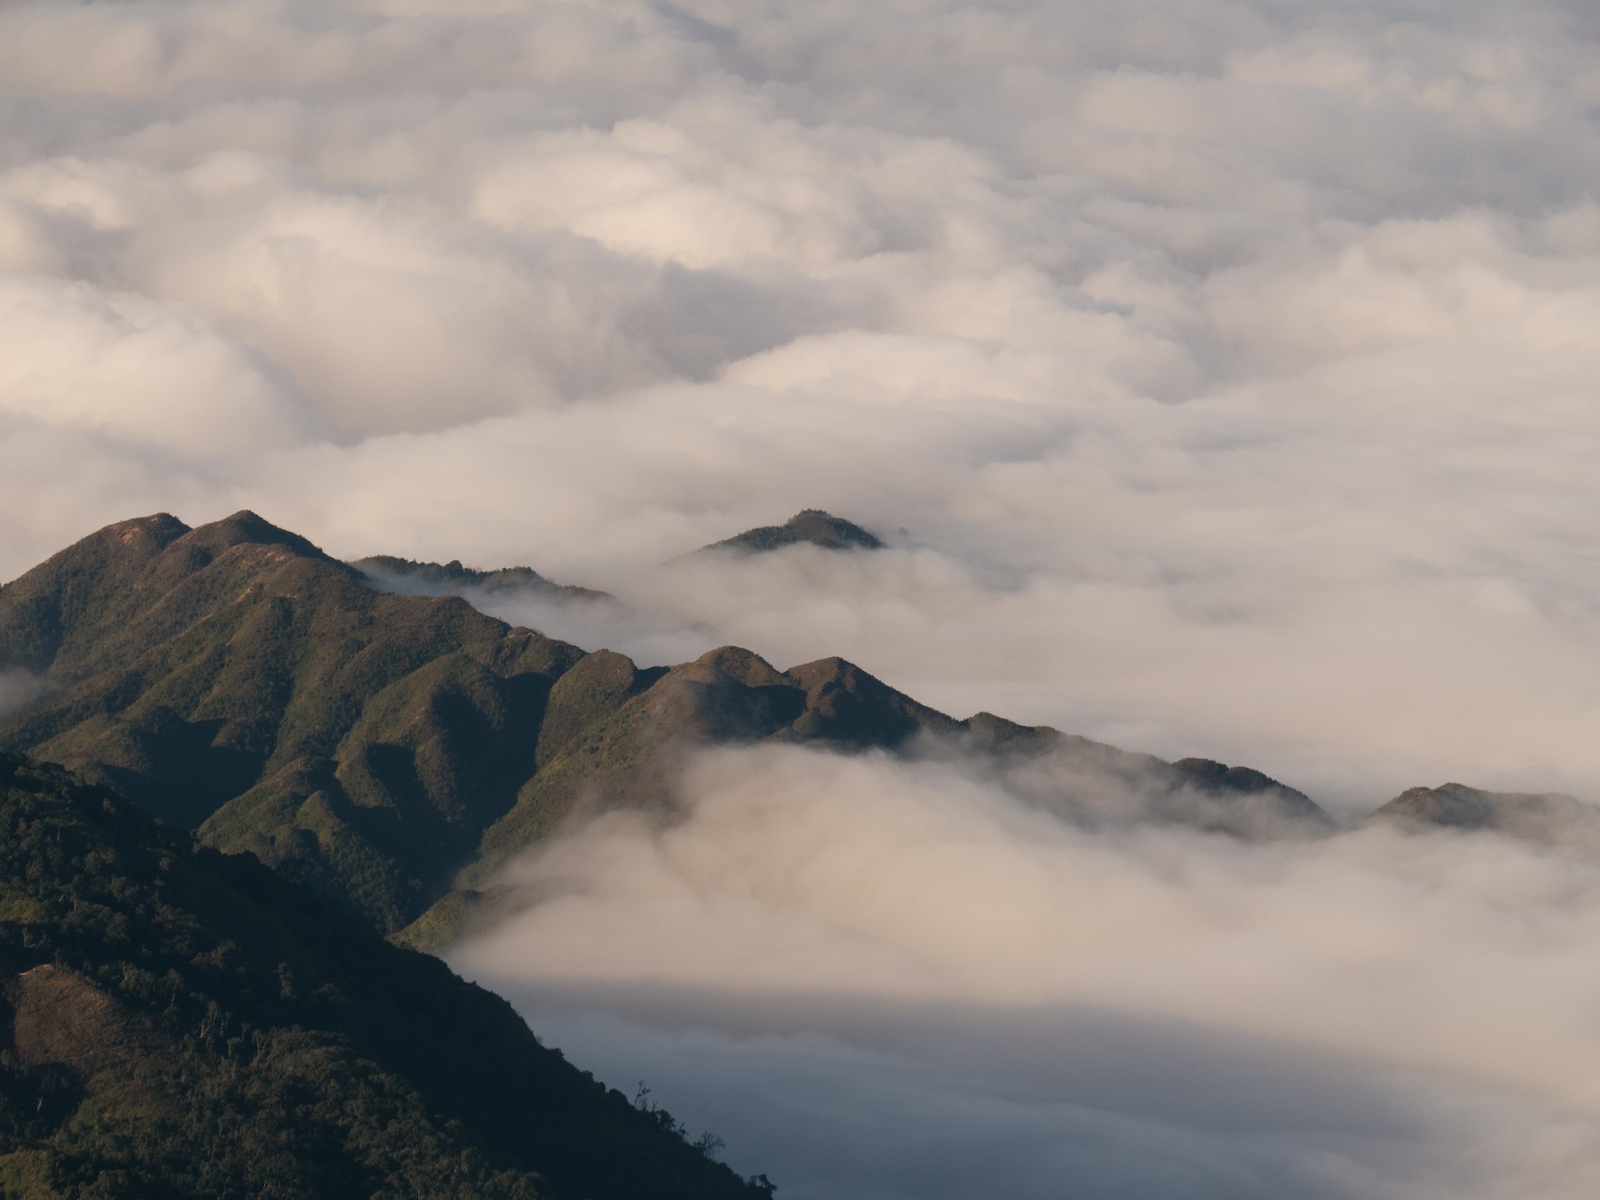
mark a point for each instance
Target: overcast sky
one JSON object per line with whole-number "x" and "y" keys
{"x": 1222, "y": 374}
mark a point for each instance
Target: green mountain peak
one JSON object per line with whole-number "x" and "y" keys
{"x": 810, "y": 525}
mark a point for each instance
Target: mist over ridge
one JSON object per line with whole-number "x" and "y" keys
{"x": 863, "y": 967}
{"x": 728, "y": 861}
{"x": 1220, "y": 378}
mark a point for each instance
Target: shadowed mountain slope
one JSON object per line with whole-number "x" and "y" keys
{"x": 809, "y": 525}
{"x": 1094, "y": 785}
{"x": 615, "y": 736}
{"x": 234, "y": 680}
{"x": 389, "y": 574}
{"x": 1212, "y": 778}
{"x": 178, "y": 1023}
{"x": 235, "y": 674}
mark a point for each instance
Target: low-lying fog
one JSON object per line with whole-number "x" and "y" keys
{"x": 882, "y": 979}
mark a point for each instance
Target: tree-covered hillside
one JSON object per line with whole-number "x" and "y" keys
{"x": 235, "y": 680}
{"x": 366, "y": 740}
{"x": 181, "y": 1023}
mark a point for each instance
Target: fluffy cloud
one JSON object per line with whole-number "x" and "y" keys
{"x": 123, "y": 367}
{"x": 1362, "y": 1008}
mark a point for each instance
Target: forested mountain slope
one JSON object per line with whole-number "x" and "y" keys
{"x": 180, "y": 1023}
{"x": 372, "y": 736}
{"x": 235, "y": 680}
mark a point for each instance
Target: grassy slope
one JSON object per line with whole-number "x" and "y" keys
{"x": 180, "y": 1023}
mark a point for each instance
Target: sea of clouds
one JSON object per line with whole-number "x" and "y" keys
{"x": 885, "y": 979}
{"x": 1222, "y": 375}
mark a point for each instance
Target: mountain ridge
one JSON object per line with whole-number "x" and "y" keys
{"x": 405, "y": 576}
{"x": 809, "y": 525}
{"x": 395, "y": 750}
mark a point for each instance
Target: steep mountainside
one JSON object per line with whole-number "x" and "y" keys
{"x": 1099, "y": 786}
{"x": 809, "y": 525}
{"x": 235, "y": 680}
{"x": 178, "y": 1023}
{"x": 363, "y": 740}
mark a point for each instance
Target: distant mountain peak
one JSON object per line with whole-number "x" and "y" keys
{"x": 246, "y": 528}
{"x": 1547, "y": 817}
{"x": 808, "y": 525}
{"x": 160, "y": 528}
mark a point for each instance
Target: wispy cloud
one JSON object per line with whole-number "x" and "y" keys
{"x": 19, "y": 688}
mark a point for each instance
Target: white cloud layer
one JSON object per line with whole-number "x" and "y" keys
{"x": 899, "y": 979}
